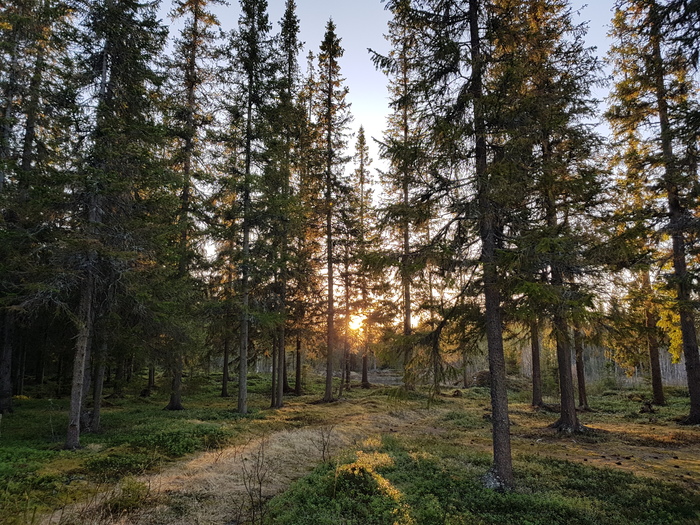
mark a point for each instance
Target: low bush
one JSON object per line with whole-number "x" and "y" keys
{"x": 117, "y": 465}
{"x": 438, "y": 489}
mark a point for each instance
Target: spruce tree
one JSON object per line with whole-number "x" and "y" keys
{"x": 653, "y": 91}
{"x": 278, "y": 191}
{"x": 367, "y": 239}
{"x": 454, "y": 68}
{"x": 403, "y": 147}
{"x": 546, "y": 71}
{"x": 252, "y": 68}
{"x": 37, "y": 95}
{"x": 304, "y": 293}
{"x": 333, "y": 117}
{"x": 122, "y": 41}
{"x": 187, "y": 118}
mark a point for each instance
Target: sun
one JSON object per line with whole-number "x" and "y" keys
{"x": 356, "y": 321}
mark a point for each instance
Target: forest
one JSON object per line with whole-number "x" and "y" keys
{"x": 191, "y": 233}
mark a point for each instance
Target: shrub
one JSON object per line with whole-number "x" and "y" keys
{"x": 115, "y": 466}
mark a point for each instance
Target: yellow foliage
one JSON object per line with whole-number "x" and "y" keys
{"x": 374, "y": 460}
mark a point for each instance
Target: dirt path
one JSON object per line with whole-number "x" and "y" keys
{"x": 222, "y": 486}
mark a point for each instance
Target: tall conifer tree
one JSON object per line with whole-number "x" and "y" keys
{"x": 404, "y": 149}
{"x": 333, "y": 117}
{"x": 123, "y": 39}
{"x": 653, "y": 92}
{"x": 188, "y": 121}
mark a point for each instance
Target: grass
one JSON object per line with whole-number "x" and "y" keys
{"x": 137, "y": 436}
{"x": 423, "y": 465}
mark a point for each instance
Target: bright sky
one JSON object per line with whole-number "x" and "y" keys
{"x": 361, "y": 24}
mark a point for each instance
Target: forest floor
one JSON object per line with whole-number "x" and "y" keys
{"x": 248, "y": 461}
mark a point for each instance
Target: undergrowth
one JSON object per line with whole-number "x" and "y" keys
{"x": 443, "y": 487}
{"x": 433, "y": 477}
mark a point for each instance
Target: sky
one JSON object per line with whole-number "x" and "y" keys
{"x": 361, "y": 24}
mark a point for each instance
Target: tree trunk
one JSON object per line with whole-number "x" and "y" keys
{"x": 580, "y": 370}
{"x": 365, "y": 369}
{"x": 6, "y": 362}
{"x": 245, "y": 292}
{"x": 281, "y": 375}
{"x": 98, "y": 388}
{"x": 568, "y": 420}
{"x": 536, "y": 364}
{"x": 41, "y": 358}
{"x": 151, "y": 385}
{"x": 408, "y": 381}
{"x": 175, "y": 402}
{"x": 224, "y": 380}
{"x": 118, "y": 387}
{"x": 500, "y": 476}
{"x": 677, "y": 219}
{"x": 275, "y": 373}
{"x": 437, "y": 370}
{"x": 21, "y": 368}
{"x": 650, "y": 321}
{"x": 86, "y": 319}
{"x": 86, "y": 416}
{"x": 330, "y": 314}
{"x": 129, "y": 369}
{"x": 285, "y": 374}
{"x": 298, "y": 370}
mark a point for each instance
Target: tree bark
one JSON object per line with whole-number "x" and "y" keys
{"x": 151, "y": 385}
{"x": 86, "y": 416}
{"x": 224, "y": 380}
{"x": 568, "y": 420}
{"x": 536, "y": 364}
{"x": 298, "y": 370}
{"x": 98, "y": 388}
{"x": 285, "y": 374}
{"x": 175, "y": 402}
{"x": 86, "y": 318}
{"x": 650, "y": 321}
{"x": 275, "y": 373}
{"x": 6, "y": 362}
{"x": 280, "y": 366}
{"x": 580, "y": 370}
{"x": 365, "y": 369}
{"x": 678, "y": 217}
{"x": 500, "y": 476}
